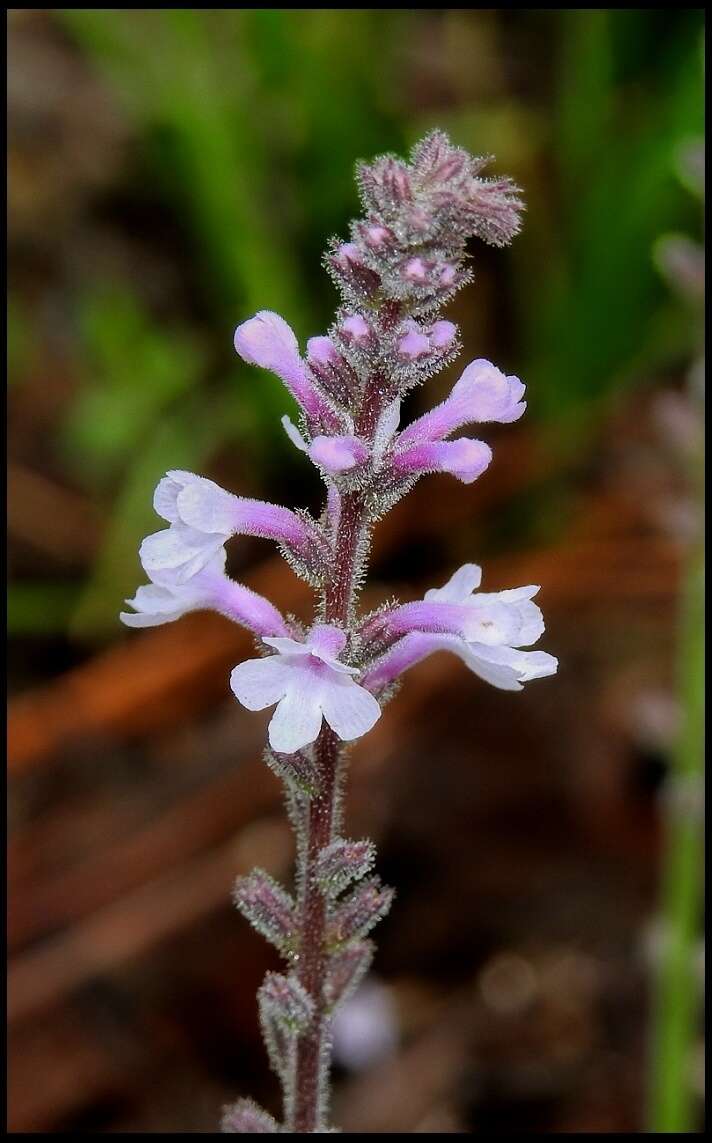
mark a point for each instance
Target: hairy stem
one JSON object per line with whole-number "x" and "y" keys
{"x": 310, "y": 1065}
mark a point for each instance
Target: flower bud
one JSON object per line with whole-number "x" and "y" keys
{"x": 246, "y": 1118}
{"x": 347, "y": 968}
{"x": 356, "y": 329}
{"x": 413, "y": 344}
{"x": 348, "y": 263}
{"x": 343, "y": 862}
{"x": 331, "y": 369}
{"x": 415, "y": 271}
{"x": 377, "y": 236}
{"x": 359, "y": 912}
{"x": 268, "y": 907}
{"x": 285, "y": 1001}
{"x": 442, "y": 334}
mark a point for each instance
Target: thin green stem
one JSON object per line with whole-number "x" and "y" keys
{"x": 676, "y": 991}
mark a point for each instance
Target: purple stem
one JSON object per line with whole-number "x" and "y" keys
{"x": 313, "y": 958}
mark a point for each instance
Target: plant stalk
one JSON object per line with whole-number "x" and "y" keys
{"x": 310, "y": 1067}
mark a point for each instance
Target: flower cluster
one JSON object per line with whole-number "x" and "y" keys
{"x": 401, "y": 263}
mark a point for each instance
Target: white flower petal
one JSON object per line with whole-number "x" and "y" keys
{"x": 297, "y": 719}
{"x": 527, "y": 664}
{"x": 287, "y": 646}
{"x": 459, "y": 587}
{"x": 349, "y": 708}
{"x": 150, "y": 618}
{"x": 165, "y": 499}
{"x": 177, "y": 553}
{"x": 294, "y": 435}
{"x": 259, "y": 683}
{"x": 207, "y": 507}
{"x": 327, "y": 641}
{"x": 500, "y": 675}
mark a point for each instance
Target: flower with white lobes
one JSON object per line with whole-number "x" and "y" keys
{"x": 483, "y": 393}
{"x": 208, "y": 589}
{"x": 308, "y": 683}
{"x": 268, "y": 341}
{"x": 202, "y": 516}
{"x": 486, "y": 630}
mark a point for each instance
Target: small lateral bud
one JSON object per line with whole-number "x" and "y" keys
{"x": 331, "y": 369}
{"x": 348, "y": 262}
{"x": 415, "y": 271}
{"x": 268, "y": 907}
{"x": 377, "y": 236}
{"x": 442, "y": 334}
{"x": 447, "y": 275}
{"x": 355, "y": 916}
{"x": 297, "y": 769}
{"x": 348, "y": 255}
{"x": 413, "y": 344}
{"x": 343, "y": 862}
{"x": 246, "y": 1118}
{"x": 347, "y": 968}
{"x": 355, "y": 328}
{"x": 285, "y": 1001}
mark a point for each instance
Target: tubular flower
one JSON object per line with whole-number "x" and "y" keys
{"x": 268, "y": 341}
{"x": 486, "y": 630}
{"x": 308, "y": 683}
{"x": 209, "y": 589}
{"x": 483, "y": 393}
{"x": 202, "y": 516}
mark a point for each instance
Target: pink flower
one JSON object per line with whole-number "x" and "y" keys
{"x": 308, "y": 683}
{"x": 486, "y": 630}
{"x": 338, "y": 454}
{"x": 202, "y": 517}
{"x": 268, "y": 341}
{"x": 483, "y": 393}
{"x": 209, "y": 589}
{"x": 465, "y": 459}
{"x": 334, "y": 454}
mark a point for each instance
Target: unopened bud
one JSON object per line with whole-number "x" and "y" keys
{"x": 349, "y": 264}
{"x": 413, "y": 344}
{"x": 359, "y": 912}
{"x": 415, "y": 271}
{"x": 347, "y": 968}
{"x": 442, "y": 334}
{"x": 331, "y": 369}
{"x": 296, "y": 769}
{"x": 355, "y": 328}
{"x": 246, "y": 1118}
{"x": 378, "y": 236}
{"x": 286, "y": 1002}
{"x": 268, "y": 907}
{"x": 343, "y": 862}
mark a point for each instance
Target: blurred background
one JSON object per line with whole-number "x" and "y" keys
{"x": 170, "y": 172}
